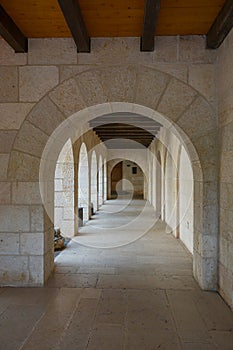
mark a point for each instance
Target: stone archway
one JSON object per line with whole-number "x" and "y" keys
{"x": 92, "y": 93}
{"x": 128, "y": 156}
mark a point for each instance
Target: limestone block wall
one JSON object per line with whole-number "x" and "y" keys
{"x": 185, "y": 200}
{"x": 171, "y": 182}
{"x": 157, "y": 182}
{"x": 42, "y": 89}
{"x": 64, "y": 192}
{"x": 135, "y": 181}
{"x": 225, "y": 108}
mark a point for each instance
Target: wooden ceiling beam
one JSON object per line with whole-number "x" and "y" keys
{"x": 151, "y": 13}
{"x": 125, "y": 137}
{"x": 123, "y": 122}
{"x": 11, "y": 33}
{"x": 126, "y": 127}
{"x": 127, "y": 131}
{"x": 143, "y": 142}
{"x": 221, "y": 26}
{"x": 74, "y": 19}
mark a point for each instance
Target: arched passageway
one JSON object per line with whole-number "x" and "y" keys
{"x": 127, "y": 178}
{"x": 149, "y": 99}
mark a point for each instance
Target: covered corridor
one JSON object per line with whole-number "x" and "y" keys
{"x": 77, "y": 132}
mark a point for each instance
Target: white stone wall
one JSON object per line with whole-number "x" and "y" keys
{"x": 185, "y": 200}
{"x": 64, "y": 192}
{"x": 177, "y": 185}
{"x": 225, "y": 109}
{"x": 140, "y": 157}
{"x": 134, "y": 182}
{"x": 41, "y": 90}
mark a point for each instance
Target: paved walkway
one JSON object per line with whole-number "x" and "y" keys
{"x": 135, "y": 296}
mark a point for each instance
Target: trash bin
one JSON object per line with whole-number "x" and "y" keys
{"x": 80, "y": 217}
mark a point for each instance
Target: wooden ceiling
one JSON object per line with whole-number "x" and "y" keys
{"x": 84, "y": 19}
{"x": 113, "y": 18}
{"x": 122, "y": 126}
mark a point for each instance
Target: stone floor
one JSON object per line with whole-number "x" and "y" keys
{"x": 136, "y": 296}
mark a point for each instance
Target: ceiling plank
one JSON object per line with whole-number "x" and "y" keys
{"x": 74, "y": 19}
{"x": 123, "y": 131}
{"x": 11, "y": 33}
{"x": 151, "y": 13}
{"x": 125, "y": 137}
{"x": 221, "y": 26}
{"x": 144, "y": 127}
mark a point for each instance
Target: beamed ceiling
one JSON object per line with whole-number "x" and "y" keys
{"x": 128, "y": 127}
{"x": 85, "y": 19}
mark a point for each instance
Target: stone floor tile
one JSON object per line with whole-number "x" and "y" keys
{"x": 66, "y": 269}
{"x": 199, "y": 346}
{"x": 48, "y": 332}
{"x": 120, "y": 282}
{"x": 106, "y": 337}
{"x": 76, "y": 339}
{"x": 149, "y": 310}
{"x": 143, "y": 270}
{"x": 224, "y": 340}
{"x": 96, "y": 270}
{"x": 112, "y": 307}
{"x": 2, "y": 290}
{"x": 185, "y": 311}
{"x": 216, "y": 314}
{"x": 194, "y": 335}
{"x": 72, "y": 281}
{"x": 172, "y": 282}
{"x": 28, "y": 296}
{"x": 16, "y": 324}
{"x": 140, "y": 339}
{"x": 84, "y": 314}
{"x": 91, "y": 293}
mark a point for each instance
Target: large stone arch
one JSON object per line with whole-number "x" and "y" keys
{"x": 134, "y": 89}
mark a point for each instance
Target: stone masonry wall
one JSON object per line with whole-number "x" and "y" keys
{"x": 225, "y": 108}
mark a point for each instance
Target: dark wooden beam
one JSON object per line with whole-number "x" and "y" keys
{"x": 74, "y": 19}
{"x": 127, "y": 123}
{"x": 124, "y": 135}
{"x": 122, "y": 131}
{"x": 151, "y": 13}
{"x": 126, "y": 127}
{"x": 132, "y": 137}
{"x": 11, "y": 33}
{"x": 221, "y": 26}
